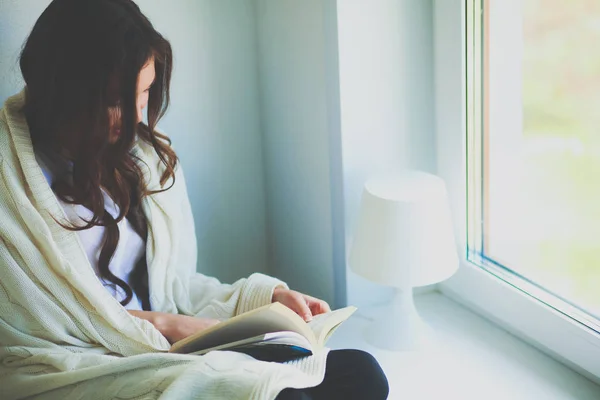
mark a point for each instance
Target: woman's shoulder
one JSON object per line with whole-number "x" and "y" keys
{"x": 12, "y": 123}
{"x": 7, "y": 153}
{"x": 3, "y": 134}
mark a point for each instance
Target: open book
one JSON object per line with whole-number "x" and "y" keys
{"x": 269, "y": 333}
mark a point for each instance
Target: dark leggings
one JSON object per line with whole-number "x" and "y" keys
{"x": 349, "y": 375}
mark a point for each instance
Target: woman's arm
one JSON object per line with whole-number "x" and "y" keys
{"x": 174, "y": 326}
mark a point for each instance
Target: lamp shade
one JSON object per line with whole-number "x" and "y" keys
{"x": 403, "y": 234}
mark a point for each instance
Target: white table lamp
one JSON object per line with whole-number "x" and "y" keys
{"x": 403, "y": 238}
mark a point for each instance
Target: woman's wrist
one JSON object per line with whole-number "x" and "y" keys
{"x": 175, "y": 326}
{"x": 279, "y": 289}
{"x": 163, "y": 322}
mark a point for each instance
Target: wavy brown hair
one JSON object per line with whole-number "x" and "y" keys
{"x": 82, "y": 58}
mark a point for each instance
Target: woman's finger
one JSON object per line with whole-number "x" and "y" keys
{"x": 300, "y": 305}
{"x": 317, "y": 306}
{"x": 324, "y": 306}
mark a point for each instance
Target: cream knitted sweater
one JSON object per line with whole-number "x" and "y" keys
{"x": 63, "y": 336}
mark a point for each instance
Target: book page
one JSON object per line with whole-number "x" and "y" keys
{"x": 273, "y": 317}
{"x": 277, "y": 338}
{"x": 324, "y": 325}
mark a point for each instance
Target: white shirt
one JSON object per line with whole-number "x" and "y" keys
{"x": 129, "y": 249}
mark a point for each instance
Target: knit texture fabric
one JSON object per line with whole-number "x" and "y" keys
{"x": 63, "y": 336}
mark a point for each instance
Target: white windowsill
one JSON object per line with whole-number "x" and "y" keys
{"x": 473, "y": 359}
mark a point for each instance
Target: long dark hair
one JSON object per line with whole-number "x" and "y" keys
{"x": 78, "y": 52}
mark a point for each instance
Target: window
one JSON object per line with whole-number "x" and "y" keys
{"x": 494, "y": 110}
{"x": 533, "y": 150}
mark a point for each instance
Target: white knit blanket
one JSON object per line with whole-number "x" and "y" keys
{"x": 63, "y": 336}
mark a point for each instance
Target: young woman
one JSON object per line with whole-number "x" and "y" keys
{"x": 97, "y": 244}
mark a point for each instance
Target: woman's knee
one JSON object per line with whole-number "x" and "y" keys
{"x": 350, "y": 374}
{"x": 365, "y": 371}
{"x": 292, "y": 394}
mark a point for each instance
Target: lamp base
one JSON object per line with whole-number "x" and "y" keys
{"x": 399, "y": 326}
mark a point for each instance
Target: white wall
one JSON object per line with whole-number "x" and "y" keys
{"x": 386, "y": 85}
{"x": 298, "y": 122}
{"x": 16, "y": 20}
{"x": 213, "y": 120}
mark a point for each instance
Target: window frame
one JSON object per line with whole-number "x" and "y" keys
{"x": 480, "y": 289}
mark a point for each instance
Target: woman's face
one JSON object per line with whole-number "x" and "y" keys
{"x": 145, "y": 81}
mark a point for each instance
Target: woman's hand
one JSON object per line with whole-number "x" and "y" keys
{"x": 174, "y": 326}
{"x": 304, "y": 305}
